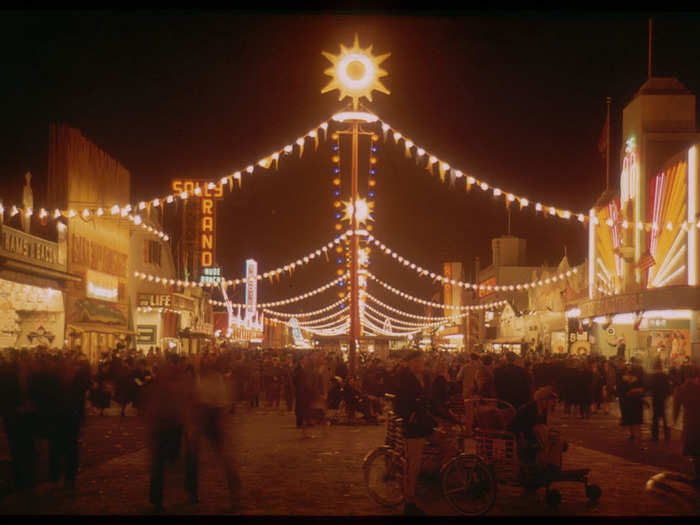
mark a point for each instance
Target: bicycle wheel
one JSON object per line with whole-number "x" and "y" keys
{"x": 383, "y": 471}
{"x": 469, "y": 485}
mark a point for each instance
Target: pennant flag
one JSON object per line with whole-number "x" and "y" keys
{"x": 315, "y": 136}
{"x": 325, "y": 252}
{"x": 638, "y": 320}
{"x": 300, "y": 143}
{"x": 265, "y": 163}
{"x": 453, "y": 178}
{"x": 429, "y": 167}
{"x": 468, "y": 182}
{"x": 442, "y": 170}
{"x": 230, "y": 182}
{"x": 407, "y": 150}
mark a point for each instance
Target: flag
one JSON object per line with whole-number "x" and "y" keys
{"x": 646, "y": 261}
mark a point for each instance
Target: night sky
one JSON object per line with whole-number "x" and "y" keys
{"x": 516, "y": 101}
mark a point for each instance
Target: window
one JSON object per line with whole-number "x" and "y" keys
{"x": 153, "y": 252}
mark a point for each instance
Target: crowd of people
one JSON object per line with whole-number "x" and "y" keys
{"x": 45, "y": 392}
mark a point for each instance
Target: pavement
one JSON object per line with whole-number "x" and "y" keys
{"x": 284, "y": 474}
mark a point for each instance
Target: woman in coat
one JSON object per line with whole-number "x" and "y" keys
{"x": 631, "y": 393}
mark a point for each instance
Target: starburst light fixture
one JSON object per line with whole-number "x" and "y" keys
{"x": 355, "y": 72}
{"x": 364, "y": 209}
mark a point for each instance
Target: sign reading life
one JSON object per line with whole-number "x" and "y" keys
{"x": 206, "y": 244}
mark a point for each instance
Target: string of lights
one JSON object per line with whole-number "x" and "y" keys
{"x": 123, "y": 209}
{"x": 269, "y": 274}
{"x": 285, "y": 301}
{"x": 488, "y": 306}
{"x": 306, "y": 314}
{"x": 496, "y": 288}
{"x": 411, "y": 324}
{"x": 86, "y": 214}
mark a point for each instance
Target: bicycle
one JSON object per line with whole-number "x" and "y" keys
{"x": 463, "y": 476}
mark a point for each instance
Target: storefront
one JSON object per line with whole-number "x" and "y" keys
{"x": 32, "y": 279}
{"x": 653, "y": 323}
{"x": 97, "y": 305}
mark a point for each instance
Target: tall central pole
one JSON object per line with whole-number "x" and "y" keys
{"x": 354, "y": 250}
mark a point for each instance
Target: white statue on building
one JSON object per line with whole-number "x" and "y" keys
{"x": 27, "y": 202}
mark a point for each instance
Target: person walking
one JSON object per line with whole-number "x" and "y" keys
{"x": 631, "y": 403}
{"x": 660, "y": 390}
{"x": 687, "y": 397}
{"x": 301, "y": 384}
{"x": 212, "y": 398}
{"x": 467, "y": 375}
{"x": 169, "y": 407}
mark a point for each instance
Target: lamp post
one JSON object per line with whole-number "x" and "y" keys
{"x": 355, "y": 72}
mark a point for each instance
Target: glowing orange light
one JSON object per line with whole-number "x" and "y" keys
{"x": 337, "y": 204}
{"x": 373, "y": 160}
{"x": 336, "y": 158}
{"x": 334, "y": 136}
{"x": 372, "y": 183}
{"x": 338, "y": 226}
{"x": 336, "y": 182}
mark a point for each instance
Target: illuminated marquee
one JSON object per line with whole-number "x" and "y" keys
{"x": 205, "y": 240}
{"x": 251, "y": 288}
{"x": 211, "y": 275}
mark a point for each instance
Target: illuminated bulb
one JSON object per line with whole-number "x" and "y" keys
{"x": 609, "y": 222}
{"x": 552, "y": 211}
{"x": 183, "y": 195}
{"x": 669, "y": 226}
{"x": 300, "y": 142}
{"x": 324, "y": 126}
{"x": 566, "y": 214}
{"x": 71, "y": 213}
{"x": 397, "y": 135}
{"x": 496, "y": 192}
{"x": 640, "y": 225}
{"x": 28, "y": 212}
{"x": 237, "y": 175}
{"x": 250, "y": 169}
{"x": 169, "y": 199}
{"x": 385, "y": 127}
{"x": 14, "y": 211}
{"x": 484, "y": 186}
{"x": 433, "y": 159}
{"x": 420, "y": 152}
{"x": 625, "y": 224}
{"x": 511, "y": 197}
{"x": 56, "y": 214}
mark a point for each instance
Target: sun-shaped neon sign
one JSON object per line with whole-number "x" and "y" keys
{"x": 355, "y": 72}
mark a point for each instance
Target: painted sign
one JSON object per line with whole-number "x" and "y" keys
{"x": 16, "y": 244}
{"x": 154, "y": 300}
{"x": 210, "y": 275}
{"x": 146, "y": 334}
{"x": 101, "y": 286}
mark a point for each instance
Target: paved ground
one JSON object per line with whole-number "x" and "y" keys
{"x": 284, "y": 474}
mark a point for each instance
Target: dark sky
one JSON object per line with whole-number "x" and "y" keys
{"x": 516, "y": 101}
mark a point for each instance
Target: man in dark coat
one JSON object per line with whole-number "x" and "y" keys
{"x": 301, "y": 394}
{"x": 512, "y": 383}
{"x": 660, "y": 388}
{"x": 418, "y": 423}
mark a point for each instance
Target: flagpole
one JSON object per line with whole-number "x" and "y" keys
{"x": 607, "y": 148}
{"x": 649, "y": 68}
